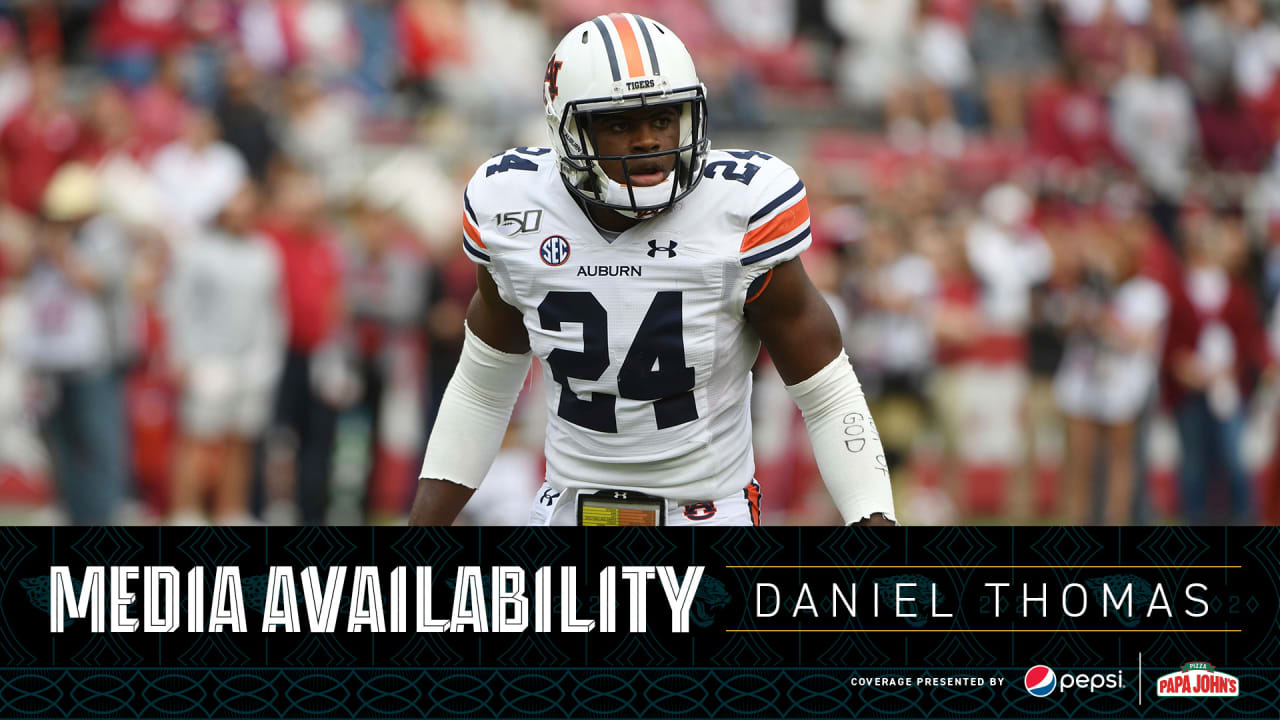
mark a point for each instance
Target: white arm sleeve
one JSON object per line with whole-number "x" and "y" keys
{"x": 845, "y": 441}
{"x": 474, "y": 413}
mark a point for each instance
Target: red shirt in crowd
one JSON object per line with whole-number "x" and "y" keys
{"x": 1233, "y": 138}
{"x": 160, "y": 113}
{"x": 958, "y": 292}
{"x": 153, "y": 26}
{"x": 1239, "y": 313}
{"x": 34, "y": 147}
{"x": 427, "y": 41}
{"x": 1158, "y": 261}
{"x": 1070, "y": 123}
{"x": 313, "y": 284}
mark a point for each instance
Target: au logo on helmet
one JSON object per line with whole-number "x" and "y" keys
{"x": 553, "y": 72}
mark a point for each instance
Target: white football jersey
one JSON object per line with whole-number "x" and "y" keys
{"x": 643, "y": 343}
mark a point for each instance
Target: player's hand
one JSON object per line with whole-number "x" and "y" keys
{"x": 875, "y": 519}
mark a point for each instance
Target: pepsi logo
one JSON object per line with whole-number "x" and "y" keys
{"x": 554, "y": 251}
{"x": 1040, "y": 680}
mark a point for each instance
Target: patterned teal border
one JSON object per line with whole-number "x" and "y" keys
{"x": 578, "y": 693}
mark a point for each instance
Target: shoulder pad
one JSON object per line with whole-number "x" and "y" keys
{"x": 774, "y": 208}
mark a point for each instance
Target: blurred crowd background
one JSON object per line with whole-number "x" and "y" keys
{"x": 232, "y": 283}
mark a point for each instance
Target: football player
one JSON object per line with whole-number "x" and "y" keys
{"x": 644, "y": 270}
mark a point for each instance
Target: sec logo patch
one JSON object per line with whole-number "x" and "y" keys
{"x": 554, "y": 251}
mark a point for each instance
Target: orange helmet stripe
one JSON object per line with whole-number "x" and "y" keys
{"x": 630, "y": 46}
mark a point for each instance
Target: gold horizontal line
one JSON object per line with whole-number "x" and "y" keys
{"x": 995, "y": 567}
{"x": 973, "y": 630}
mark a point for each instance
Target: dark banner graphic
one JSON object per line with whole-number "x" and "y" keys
{"x": 632, "y": 622}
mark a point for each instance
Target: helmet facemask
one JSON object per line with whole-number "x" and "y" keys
{"x": 581, "y": 162}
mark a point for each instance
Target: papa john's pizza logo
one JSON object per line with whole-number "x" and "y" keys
{"x": 554, "y": 251}
{"x": 1040, "y": 680}
{"x": 1197, "y": 679}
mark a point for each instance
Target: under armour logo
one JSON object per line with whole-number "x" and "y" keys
{"x": 548, "y": 496}
{"x": 619, "y": 495}
{"x": 655, "y": 248}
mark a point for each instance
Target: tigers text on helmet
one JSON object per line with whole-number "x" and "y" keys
{"x": 620, "y": 62}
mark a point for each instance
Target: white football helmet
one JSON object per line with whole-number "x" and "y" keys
{"x": 617, "y": 62}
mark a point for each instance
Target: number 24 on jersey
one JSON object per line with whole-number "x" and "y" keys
{"x": 654, "y": 368}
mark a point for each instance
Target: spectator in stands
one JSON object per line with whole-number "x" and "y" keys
{"x": 1269, "y": 512}
{"x": 17, "y": 234}
{"x": 15, "y": 76}
{"x": 1257, "y": 56}
{"x": 1108, "y": 377}
{"x": 1052, "y": 302}
{"x": 1011, "y": 50}
{"x": 130, "y": 36}
{"x": 40, "y": 137}
{"x": 320, "y": 133}
{"x": 1097, "y": 33}
{"x": 945, "y": 85}
{"x": 313, "y": 385}
{"x": 226, "y": 343}
{"x": 1069, "y": 127}
{"x": 761, "y": 25}
{"x": 1210, "y": 46}
{"x": 507, "y": 51}
{"x": 1262, "y": 211}
{"x": 430, "y": 35}
{"x": 161, "y": 108}
{"x": 959, "y": 328}
{"x": 211, "y": 25}
{"x": 875, "y": 61}
{"x": 385, "y": 277}
{"x": 1009, "y": 257}
{"x": 373, "y": 21}
{"x": 1232, "y": 139}
{"x": 110, "y": 126}
{"x": 80, "y": 337}
{"x": 243, "y": 117}
{"x": 198, "y": 172}
{"x": 1164, "y": 29}
{"x": 128, "y": 191}
{"x": 451, "y": 283}
{"x": 283, "y": 35}
{"x": 893, "y": 335}
{"x": 1231, "y": 351}
{"x": 1153, "y": 124}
